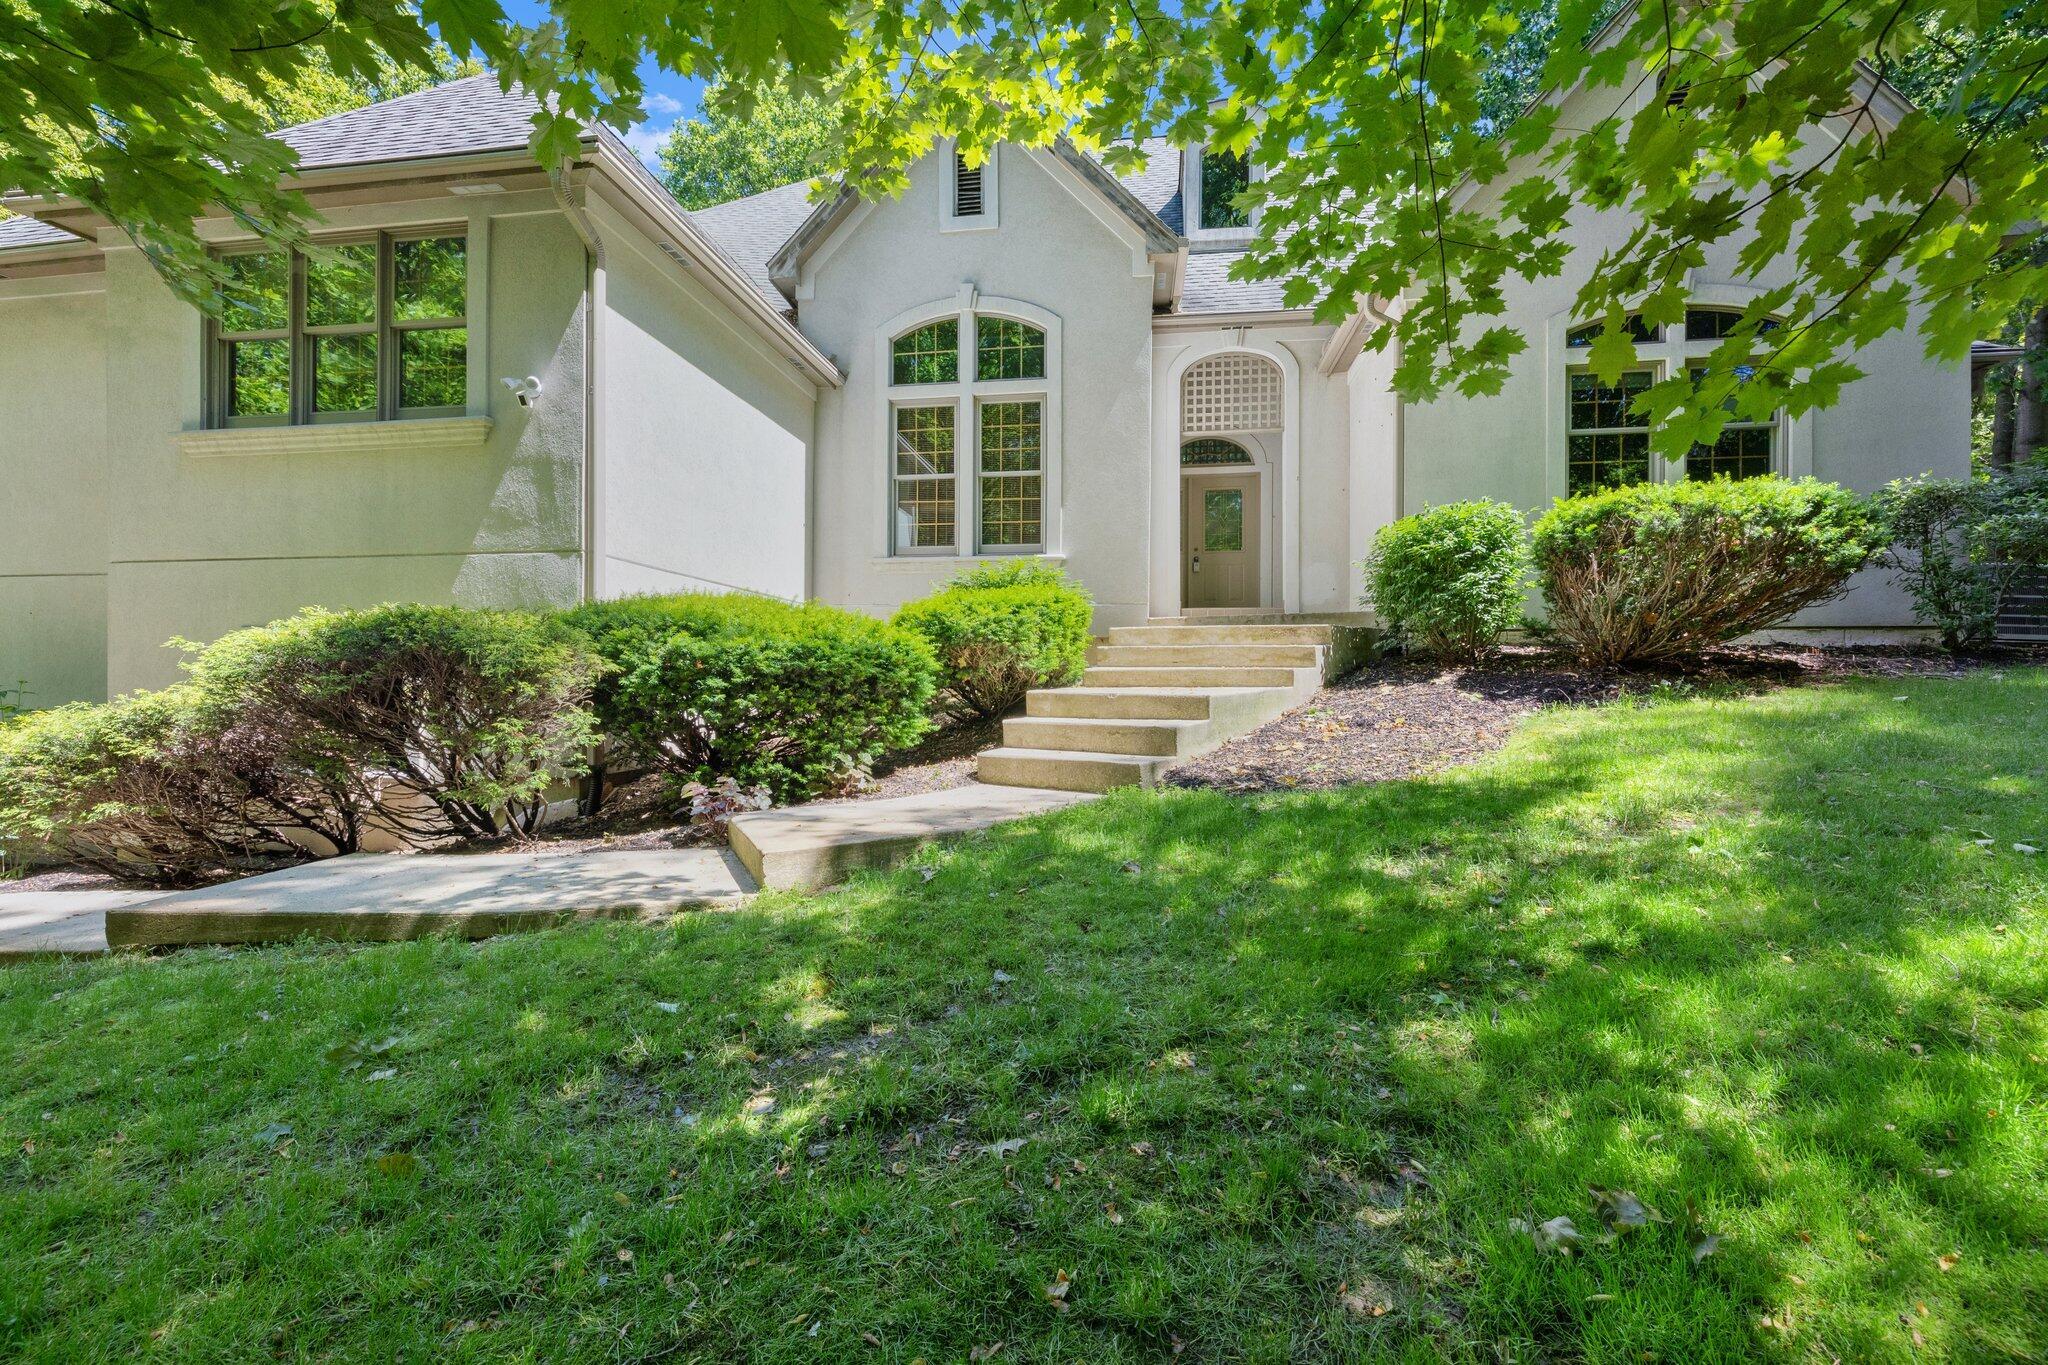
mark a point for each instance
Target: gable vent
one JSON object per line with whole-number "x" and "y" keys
{"x": 967, "y": 198}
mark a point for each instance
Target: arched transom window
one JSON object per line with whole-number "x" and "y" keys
{"x": 1212, "y": 450}
{"x": 1607, "y": 443}
{"x": 969, "y": 399}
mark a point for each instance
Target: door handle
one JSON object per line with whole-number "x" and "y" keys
{"x": 1195, "y": 565}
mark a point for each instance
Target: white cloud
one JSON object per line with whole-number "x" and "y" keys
{"x": 666, "y": 105}
{"x": 645, "y": 139}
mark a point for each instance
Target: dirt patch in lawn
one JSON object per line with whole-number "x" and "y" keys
{"x": 1399, "y": 718}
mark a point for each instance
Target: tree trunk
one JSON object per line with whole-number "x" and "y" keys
{"x": 2004, "y": 412}
{"x": 2030, "y": 420}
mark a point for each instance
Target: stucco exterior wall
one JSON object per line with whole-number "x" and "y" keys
{"x": 1908, "y": 415}
{"x": 1051, "y": 250}
{"x": 202, "y": 545}
{"x": 705, "y": 436}
{"x": 53, "y": 488}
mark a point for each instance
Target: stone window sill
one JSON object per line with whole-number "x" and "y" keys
{"x": 950, "y": 564}
{"x": 408, "y": 436}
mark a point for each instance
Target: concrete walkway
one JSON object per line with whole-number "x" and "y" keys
{"x": 46, "y": 923}
{"x": 806, "y": 848}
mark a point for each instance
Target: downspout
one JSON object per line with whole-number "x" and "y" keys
{"x": 593, "y": 381}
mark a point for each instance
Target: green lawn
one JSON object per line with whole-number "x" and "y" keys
{"x": 1265, "y": 1079}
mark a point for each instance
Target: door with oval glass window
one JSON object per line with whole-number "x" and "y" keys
{"x": 1220, "y": 541}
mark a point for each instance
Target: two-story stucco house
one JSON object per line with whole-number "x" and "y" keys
{"x": 798, "y": 396}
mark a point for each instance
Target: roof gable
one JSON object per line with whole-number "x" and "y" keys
{"x": 464, "y": 117}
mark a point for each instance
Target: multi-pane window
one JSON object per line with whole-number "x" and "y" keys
{"x": 1225, "y": 175}
{"x": 1007, "y": 349}
{"x": 928, "y": 355}
{"x": 968, "y": 434}
{"x": 1712, "y": 324}
{"x": 351, "y": 331}
{"x": 1212, "y": 450}
{"x": 1012, "y": 463}
{"x": 1638, "y": 330}
{"x": 924, "y": 464}
{"x": 1606, "y": 445}
{"x": 1743, "y": 450}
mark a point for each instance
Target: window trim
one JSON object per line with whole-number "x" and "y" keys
{"x": 991, "y": 180}
{"x": 967, "y": 394}
{"x": 1792, "y": 447}
{"x": 386, "y": 326}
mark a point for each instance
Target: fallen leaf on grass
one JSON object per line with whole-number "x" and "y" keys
{"x": 1142, "y": 1149}
{"x": 1620, "y": 1210}
{"x": 270, "y": 1134}
{"x": 1005, "y": 1149}
{"x": 1705, "y": 1246}
{"x": 985, "y": 1352}
{"x": 1555, "y": 1234}
{"x": 1948, "y": 1262}
{"x": 1056, "y": 1292}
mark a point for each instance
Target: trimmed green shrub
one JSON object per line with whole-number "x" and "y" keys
{"x": 799, "y": 699}
{"x": 434, "y": 720}
{"x": 136, "y": 787}
{"x": 1449, "y": 579}
{"x": 1653, "y": 573}
{"x": 1011, "y": 573}
{"x": 998, "y": 633}
{"x": 1958, "y": 544}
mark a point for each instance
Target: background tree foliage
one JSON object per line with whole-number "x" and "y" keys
{"x": 741, "y": 146}
{"x": 1377, "y": 123}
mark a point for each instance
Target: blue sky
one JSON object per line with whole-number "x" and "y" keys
{"x": 669, "y": 96}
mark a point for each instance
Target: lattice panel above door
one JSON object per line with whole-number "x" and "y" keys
{"x": 1234, "y": 392}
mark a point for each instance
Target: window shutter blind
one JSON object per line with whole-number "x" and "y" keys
{"x": 966, "y": 188}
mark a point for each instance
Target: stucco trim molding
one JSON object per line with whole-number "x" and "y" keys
{"x": 415, "y": 436}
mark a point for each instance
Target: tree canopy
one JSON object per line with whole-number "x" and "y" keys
{"x": 1376, "y": 126}
{"x": 741, "y": 146}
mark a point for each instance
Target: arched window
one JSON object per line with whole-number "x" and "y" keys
{"x": 1607, "y": 442}
{"x": 1212, "y": 450}
{"x": 968, "y": 422}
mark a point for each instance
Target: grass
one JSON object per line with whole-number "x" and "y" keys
{"x": 1263, "y": 1081}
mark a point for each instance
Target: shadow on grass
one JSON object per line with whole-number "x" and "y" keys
{"x": 1282, "y": 1069}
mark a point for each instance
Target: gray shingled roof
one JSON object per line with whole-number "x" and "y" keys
{"x": 19, "y": 232}
{"x": 753, "y": 229}
{"x": 460, "y": 118}
{"x": 1157, "y": 187}
{"x": 1208, "y": 288}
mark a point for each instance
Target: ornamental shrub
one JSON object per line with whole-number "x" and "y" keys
{"x": 799, "y": 699}
{"x": 998, "y": 633}
{"x": 138, "y": 787}
{"x": 1958, "y": 544}
{"x": 1449, "y": 579}
{"x": 431, "y": 720}
{"x": 1653, "y": 573}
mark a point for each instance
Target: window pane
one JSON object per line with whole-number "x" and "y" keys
{"x": 1607, "y": 461}
{"x": 430, "y": 279}
{"x": 259, "y": 378}
{"x": 345, "y": 373}
{"x": 924, "y": 514}
{"x": 341, "y": 285}
{"x": 1633, "y": 324}
{"x": 258, "y": 294}
{"x": 1223, "y": 519}
{"x": 1594, "y": 404}
{"x": 1010, "y": 437}
{"x": 1739, "y": 453}
{"x": 1711, "y": 324}
{"x": 1008, "y": 350}
{"x": 1213, "y": 450}
{"x": 929, "y": 355}
{"x": 1010, "y": 509}
{"x": 1225, "y": 175}
{"x": 433, "y": 368}
{"x": 924, "y": 441}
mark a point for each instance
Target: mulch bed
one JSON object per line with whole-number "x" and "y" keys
{"x": 1398, "y": 718}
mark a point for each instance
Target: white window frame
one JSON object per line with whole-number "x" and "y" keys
{"x": 1671, "y": 353}
{"x": 986, "y": 220}
{"x": 1191, "y": 202}
{"x": 966, "y": 395}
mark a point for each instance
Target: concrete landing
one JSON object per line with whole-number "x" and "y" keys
{"x": 47, "y": 923}
{"x": 805, "y": 848}
{"x": 380, "y": 897}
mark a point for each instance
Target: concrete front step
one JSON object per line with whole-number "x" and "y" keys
{"x": 1207, "y": 656}
{"x": 1183, "y": 676}
{"x": 1081, "y": 734}
{"x": 805, "y": 848}
{"x": 1068, "y": 770}
{"x": 1195, "y": 633}
{"x": 1154, "y": 703}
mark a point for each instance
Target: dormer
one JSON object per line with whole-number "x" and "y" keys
{"x": 1210, "y": 182}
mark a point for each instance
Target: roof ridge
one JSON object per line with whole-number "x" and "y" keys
{"x": 381, "y": 104}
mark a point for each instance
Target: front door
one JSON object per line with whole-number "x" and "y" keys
{"x": 1220, "y": 541}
